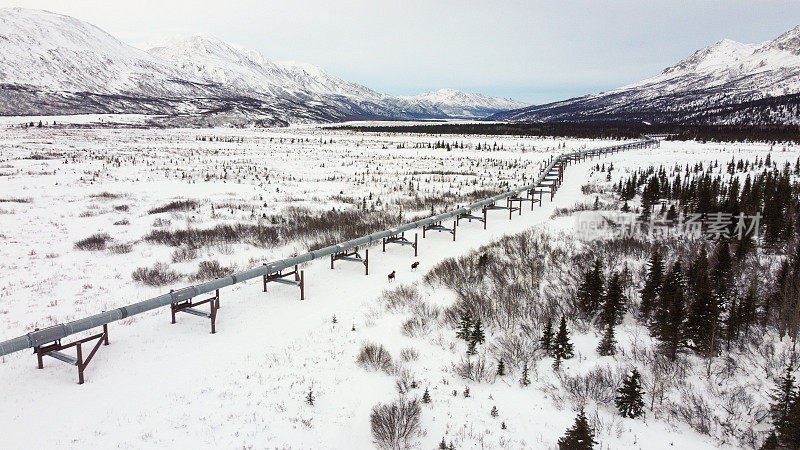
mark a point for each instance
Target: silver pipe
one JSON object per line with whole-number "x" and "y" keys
{"x": 55, "y": 332}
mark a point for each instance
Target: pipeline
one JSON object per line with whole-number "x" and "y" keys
{"x": 56, "y": 332}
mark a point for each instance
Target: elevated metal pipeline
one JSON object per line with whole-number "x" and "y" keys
{"x": 55, "y": 332}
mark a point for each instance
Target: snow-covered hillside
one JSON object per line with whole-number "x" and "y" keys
{"x": 55, "y": 64}
{"x": 716, "y": 84}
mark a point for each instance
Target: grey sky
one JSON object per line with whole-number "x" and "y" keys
{"x": 535, "y": 51}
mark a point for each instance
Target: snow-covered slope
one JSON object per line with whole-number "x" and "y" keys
{"x": 55, "y": 64}
{"x": 719, "y": 83}
{"x": 61, "y": 53}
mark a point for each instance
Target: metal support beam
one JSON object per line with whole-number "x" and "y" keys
{"x": 188, "y": 307}
{"x": 401, "y": 240}
{"x": 54, "y": 349}
{"x": 352, "y": 256}
{"x": 279, "y": 277}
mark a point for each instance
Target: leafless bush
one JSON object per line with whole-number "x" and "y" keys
{"x": 566, "y": 211}
{"x": 394, "y": 425}
{"x": 16, "y": 200}
{"x": 417, "y": 203}
{"x": 122, "y": 222}
{"x": 405, "y": 382}
{"x": 415, "y": 327}
{"x": 209, "y": 270}
{"x": 120, "y": 249}
{"x": 183, "y": 254}
{"x": 409, "y": 354}
{"x": 375, "y": 357}
{"x": 475, "y": 369}
{"x": 598, "y": 385}
{"x": 401, "y": 297}
{"x": 106, "y": 195}
{"x": 177, "y": 205}
{"x": 161, "y": 222}
{"x": 158, "y": 275}
{"x": 94, "y": 242}
{"x": 122, "y": 208}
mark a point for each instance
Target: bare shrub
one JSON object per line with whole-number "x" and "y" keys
{"x": 394, "y": 425}
{"x": 401, "y": 297}
{"x": 161, "y": 222}
{"x": 122, "y": 208}
{"x": 405, "y": 382}
{"x": 183, "y": 254}
{"x": 16, "y": 200}
{"x": 208, "y": 270}
{"x": 94, "y": 242}
{"x": 599, "y": 385}
{"x": 475, "y": 369}
{"x": 122, "y": 222}
{"x": 409, "y": 354}
{"x": 120, "y": 249}
{"x": 106, "y": 195}
{"x": 375, "y": 357}
{"x": 415, "y": 327}
{"x": 158, "y": 275}
{"x": 177, "y": 205}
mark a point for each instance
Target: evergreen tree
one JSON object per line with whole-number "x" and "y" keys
{"x": 580, "y": 436}
{"x": 477, "y": 336}
{"x": 630, "y": 399}
{"x": 607, "y": 346}
{"x": 501, "y": 368}
{"x": 562, "y": 347}
{"x": 613, "y": 301}
{"x": 590, "y": 292}
{"x": 652, "y": 285}
{"x": 547, "y": 336}
{"x": 426, "y": 396}
{"x": 465, "y": 327}
{"x": 310, "y": 397}
{"x": 783, "y": 397}
{"x": 443, "y": 445}
{"x": 525, "y": 381}
{"x": 701, "y": 323}
{"x": 668, "y": 324}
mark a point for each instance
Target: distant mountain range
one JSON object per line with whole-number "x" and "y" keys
{"x": 55, "y": 64}
{"x": 725, "y": 83}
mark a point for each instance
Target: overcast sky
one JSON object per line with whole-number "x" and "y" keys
{"x": 535, "y": 51}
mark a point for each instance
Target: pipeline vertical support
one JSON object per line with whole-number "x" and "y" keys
{"x": 366, "y": 261}
{"x": 416, "y": 244}
{"x": 454, "y": 230}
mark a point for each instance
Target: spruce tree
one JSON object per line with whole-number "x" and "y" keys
{"x": 465, "y": 327}
{"x": 561, "y": 348}
{"x": 783, "y": 397}
{"x": 652, "y": 285}
{"x": 668, "y": 323}
{"x": 630, "y": 399}
{"x": 547, "y": 336}
{"x": 607, "y": 345}
{"x": 580, "y": 436}
{"x": 590, "y": 292}
{"x": 501, "y": 368}
{"x": 613, "y": 302}
{"x": 525, "y": 381}
{"x": 701, "y": 322}
{"x": 426, "y": 396}
{"x": 477, "y": 336}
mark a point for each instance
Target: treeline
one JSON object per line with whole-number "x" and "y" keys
{"x": 601, "y": 130}
{"x": 696, "y": 189}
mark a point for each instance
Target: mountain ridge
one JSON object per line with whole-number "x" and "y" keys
{"x": 720, "y": 84}
{"x": 56, "y": 63}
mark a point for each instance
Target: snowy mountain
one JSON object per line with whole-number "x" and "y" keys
{"x": 55, "y": 64}
{"x": 727, "y": 82}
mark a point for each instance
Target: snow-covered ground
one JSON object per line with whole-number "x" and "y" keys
{"x": 162, "y": 385}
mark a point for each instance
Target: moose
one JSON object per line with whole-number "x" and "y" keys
{"x": 414, "y": 265}
{"x": 391, "y": 276}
